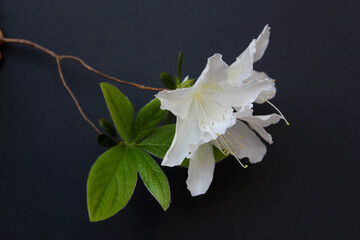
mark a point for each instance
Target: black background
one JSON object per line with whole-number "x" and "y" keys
{"x": 307, "y": 186}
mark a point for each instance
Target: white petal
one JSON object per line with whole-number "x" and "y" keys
{"x": 261, "y": 43}
{"x": 244, "y": 111}
{"x": 241, "y": 69}
{"x": 259, "y": 122}
{"x": 177, "y": 101}
{"x": 268, "y": 92}
{"x": 240, "y": 96}
{"x": 245, "y": 143}
{"x": 201, "y": 170}
{"x": 187, "y": 133}
{"x": 214, "y": 73}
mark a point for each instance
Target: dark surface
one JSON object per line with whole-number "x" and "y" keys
{"x": 307, "y": 187}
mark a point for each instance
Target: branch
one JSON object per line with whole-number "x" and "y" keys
{"x": 110, "y": 77}
{"x": 55, "y": 55}
{"x": 73, "y": 97}
{"x": 59, "y": 58}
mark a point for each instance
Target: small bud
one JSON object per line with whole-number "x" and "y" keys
{"x": 167, "y": 80}
{"x": 105, "y": 141}
{"x": 108, "y": 127}
{"x": 188, "y": 83}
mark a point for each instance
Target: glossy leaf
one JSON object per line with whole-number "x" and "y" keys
{"x": 121, "y": 110}
{"x": 152, "y": 176}
{"x": 147, "y": 119}
{"x": 159, "y": 140}
{"x": 111, "y": 183}
{"x": 167, "y": 80}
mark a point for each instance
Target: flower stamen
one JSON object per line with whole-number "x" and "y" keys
{"x": 227, "y": 148}
{"x": 265, "y": 100}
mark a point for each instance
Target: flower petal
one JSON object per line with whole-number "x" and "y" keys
{"x": 268, "y": 92}
{"x": 176, "y": 101}
{"x": 201, "y": 170}
{"x": 240, "y": 96}
{"x": 187, "y": 133}
{"x": 245, "y": 143}
{"x": 259, "y": 122}
{"x": 243, "y": 66}
{"x": 214, "y": 73}
{"x": 245, "y": 110}
{"x": 261, "y": 43}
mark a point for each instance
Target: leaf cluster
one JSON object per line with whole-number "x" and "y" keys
{"x": 113, "y": 177}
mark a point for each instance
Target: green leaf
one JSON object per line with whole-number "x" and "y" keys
{"x": 180, "y": 62}
{"x": 147, "y": 119}
{"x": 169, "y": 118}
{"x": 111, "y": 183}
{"x": 218, "y": 155}
{"x": 159, "y": 141}
{"x": 108, "y": 127}
{"x": 121, "y": 110}
{"x": 153, "y": 177}
{"x": 178, "y": 81}
{"x": 105, "y": 141}
{"x": 167, "y": 80}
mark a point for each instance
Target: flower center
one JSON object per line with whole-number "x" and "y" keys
{"x": 210, "y": 116}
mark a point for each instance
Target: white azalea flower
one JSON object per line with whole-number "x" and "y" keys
{"x": 205, "y": 114}
{"x": 205, "y": 111}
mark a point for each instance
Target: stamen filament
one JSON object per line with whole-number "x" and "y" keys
{"x": 287, "y": 123}
{"x": 228, "y": 149}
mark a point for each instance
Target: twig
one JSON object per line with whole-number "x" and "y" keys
{"x": 110, "y": 77}
{"x": 73, "y": 97}
{"x": 58, "y": 61}
{"x": 54, "y": 55}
